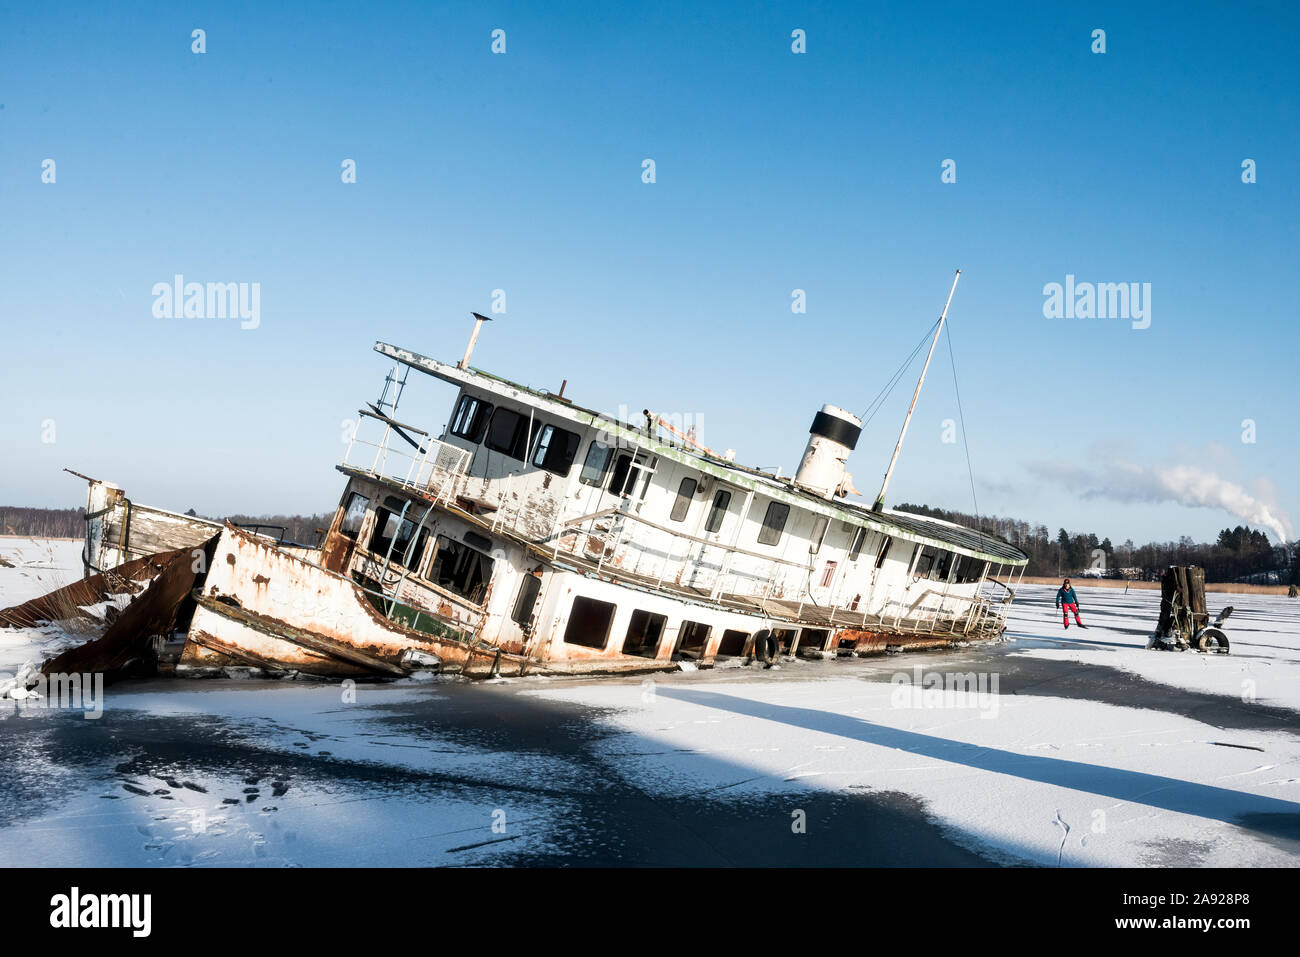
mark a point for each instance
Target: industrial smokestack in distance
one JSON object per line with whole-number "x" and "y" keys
{"x": 833, "y": 436}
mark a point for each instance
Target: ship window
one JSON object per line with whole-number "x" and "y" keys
{"x": 643, "y": 634}
{"x": 523, "y": 610}
{"x": 855, "y": 549}
{"x": 417, "y": 553}
{"x": 969, "y": 570}
{"x": 718, "y": 512}
{"x": 682, "y": 505}
{"x": 354, "y": 515}
{"x": 773, "y": 523}
{"x": 813, "y": 639}
{"x": 885, "y": 546}
{"x": 627, "y": 474}
{"x": 784, "y": 639}
{"x": 555, "y": 450}
{"x": 692, "y": 637}
{"x": 509, "y": 433}
{"x": 471, "y": 418}
{"x": 393, "y": 531}
{"x": 942, "y": 567}
{"x": 386, "y": 522}
{"x": 460, "y": 569}
{"x": 589, "y": 622}
{"x": 732, "y": 643}
{"x": 828, "y": 574}
{"x": 924, "y": 562}
{"x": 621, "y": 482}
{"x": 818, "y": 530}
{"x": 596, "y": 464}
{"x": 475, "y": 540}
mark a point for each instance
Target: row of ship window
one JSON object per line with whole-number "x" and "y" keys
{"x": 512, "y": 434}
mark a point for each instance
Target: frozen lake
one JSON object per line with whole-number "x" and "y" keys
{"x": 1083, "y": 749}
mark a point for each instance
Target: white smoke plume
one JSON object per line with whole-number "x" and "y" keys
{"x": 1187, "y": 485}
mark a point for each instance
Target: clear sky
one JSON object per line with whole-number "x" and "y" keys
{"x": 774, "y": 171}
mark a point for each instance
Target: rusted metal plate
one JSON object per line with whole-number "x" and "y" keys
{"x": 65, "y": 603}
{"x": 125, "y": 643}
{"x": 871, "y": 642}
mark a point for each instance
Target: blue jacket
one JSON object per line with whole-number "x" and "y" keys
{"x": 1066, "y": 595}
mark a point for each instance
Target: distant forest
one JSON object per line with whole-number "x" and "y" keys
{"x": 42, "y": 522}
{"x": 1240, "y": 554}
{"x": 69, "y": 523}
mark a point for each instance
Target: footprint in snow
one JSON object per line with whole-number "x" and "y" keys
{"x": 1060, "y": 822}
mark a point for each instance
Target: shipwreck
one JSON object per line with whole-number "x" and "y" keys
{"x": 533, "y": 536}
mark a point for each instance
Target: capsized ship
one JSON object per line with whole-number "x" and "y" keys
{"x": 533, "y": 536}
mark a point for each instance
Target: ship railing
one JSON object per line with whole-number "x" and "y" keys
{"x": 608, "y": 538}
{"x": 935, "y": 612}
{"x": 671, "y": 558}
{"x": 510, "y": 504}
{"x": 956, "y": 616}
{"x": 408, "y": 456}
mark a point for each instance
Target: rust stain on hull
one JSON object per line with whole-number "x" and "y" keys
{"x": 878, "y": 642}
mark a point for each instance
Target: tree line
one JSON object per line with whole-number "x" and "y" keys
{"x": 42, "y": 522}
{"x": 1239, "y": 554}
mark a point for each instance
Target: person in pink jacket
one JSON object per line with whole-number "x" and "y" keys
{"x": 1068, "y": 602}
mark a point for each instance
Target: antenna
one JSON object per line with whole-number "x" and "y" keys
{"x": 889, "y": 472}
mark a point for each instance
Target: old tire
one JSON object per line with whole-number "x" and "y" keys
{"x": 1212, "y": 640}
{"x": 765, "y": 646}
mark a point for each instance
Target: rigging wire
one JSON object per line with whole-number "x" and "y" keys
{"x": 961, "y": 415}
{"x": 878, "y": 402}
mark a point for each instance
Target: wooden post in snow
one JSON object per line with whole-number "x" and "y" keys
{"x": 1182, "y": 602}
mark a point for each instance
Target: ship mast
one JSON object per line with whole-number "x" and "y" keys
{"x": 889, "y": 472}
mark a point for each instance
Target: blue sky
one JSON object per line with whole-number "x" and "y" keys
{"x": 774, "y": 171}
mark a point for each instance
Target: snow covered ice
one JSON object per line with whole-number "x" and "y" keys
{"x": 1096, "y": 752}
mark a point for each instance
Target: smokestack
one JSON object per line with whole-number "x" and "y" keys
{"x": 833, "y": 435}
